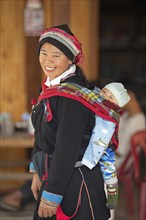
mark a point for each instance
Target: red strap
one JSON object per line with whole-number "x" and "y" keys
{"x": 97, "y": 109}
{"x": 60, "y": 215}
{"x": 49, "y": 115}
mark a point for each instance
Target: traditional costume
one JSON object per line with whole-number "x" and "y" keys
{"x": 63, "y": 123}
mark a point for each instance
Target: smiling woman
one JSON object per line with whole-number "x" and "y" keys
{"x": 53, "y": 61}
{"x": 62, "y": 186}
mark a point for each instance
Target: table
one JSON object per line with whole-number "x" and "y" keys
{"x": 18, "y": 140}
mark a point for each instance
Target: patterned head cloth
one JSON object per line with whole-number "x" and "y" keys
{"x": 62, "y": 38}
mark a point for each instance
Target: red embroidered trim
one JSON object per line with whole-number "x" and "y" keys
{"x": 33, "y": 101}
{"x": 50, "y": 115}
{"x": 98, "y": 111}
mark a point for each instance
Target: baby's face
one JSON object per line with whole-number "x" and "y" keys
{"x": 108, "y": 95}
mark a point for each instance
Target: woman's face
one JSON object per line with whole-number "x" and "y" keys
{"x": 53, "y": 61}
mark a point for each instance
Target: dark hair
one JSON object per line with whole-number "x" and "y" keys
{"x": 80, "y": 73}
{"x": 133, "y": 86}
{"x": 130, "y": 84}
{"x": 137, "y": 88}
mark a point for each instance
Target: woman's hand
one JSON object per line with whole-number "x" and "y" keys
{"x": 47, "y": 210}
{"x": 36, "y": 185}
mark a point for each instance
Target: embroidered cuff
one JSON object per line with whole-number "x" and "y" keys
{"x": 49, "y": 203}
{"x": 51, "y": 198}
{"x": 31, "y": 168}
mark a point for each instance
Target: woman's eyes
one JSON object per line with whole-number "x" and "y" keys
{"x": 53, "y": 56}
{"x": 56, "y": 56}
{"x": 43, "y": 53}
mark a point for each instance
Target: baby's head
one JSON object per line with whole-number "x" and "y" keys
{"x": 116, "y": 93}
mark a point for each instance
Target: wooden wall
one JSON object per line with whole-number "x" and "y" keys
{"x": 20, "y": 73}
{"x": 80, "y": 15}
{"x": 12, "y": 73}
{"x": 84, "y": 22}
{"x": 12, "y": 91}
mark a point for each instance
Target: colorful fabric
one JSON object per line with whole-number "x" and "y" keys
{"x": 99, "y": 141}
{"x": 56, "y": 199}
{"x": 90, "y": 98}
{"x": 112, "y": 196}
{"x": 107, "y": 164}
{"x": 66, "y": 39}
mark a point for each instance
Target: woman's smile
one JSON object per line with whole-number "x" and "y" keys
{"x": 53, "y": 61}
{"x": 49, "y": 69}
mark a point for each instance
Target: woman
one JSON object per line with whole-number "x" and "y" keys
{"x": 63, "y": 126}
{"x": 132, "y": 120}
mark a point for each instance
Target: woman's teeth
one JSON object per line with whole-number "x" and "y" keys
{"x": 49, "y": 68}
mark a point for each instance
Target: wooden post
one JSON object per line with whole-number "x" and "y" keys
{"x": 84, "y": 22}
{"x": 12, "y": 91}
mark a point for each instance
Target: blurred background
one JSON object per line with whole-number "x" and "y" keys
{"x": 113, "y": 34}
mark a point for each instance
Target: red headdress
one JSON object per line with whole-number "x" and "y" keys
{"x": 63, "y": 39}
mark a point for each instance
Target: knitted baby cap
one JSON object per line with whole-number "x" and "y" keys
{"x": 62, "y": 38}
{"x": 119, "y": 92}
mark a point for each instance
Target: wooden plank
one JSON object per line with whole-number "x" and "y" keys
{"x": 47, "y": 6}
{"x": 15, "y": 176}
{"x": 61, "y": 12}
{"x": 94, "y": 40}
{"x": 14, "y": 142}
{"x": 18, "y": 140}
{"x": 12, "y": 91}
{"x": 83, "y": 22}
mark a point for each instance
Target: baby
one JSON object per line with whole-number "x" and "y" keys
{"x": 100, "y": 148}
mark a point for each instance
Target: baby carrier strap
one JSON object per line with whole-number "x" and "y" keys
{"x": 89, "y": 98}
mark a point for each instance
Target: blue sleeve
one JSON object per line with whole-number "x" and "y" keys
{"x": 32, "y": 168}
{"x": 107, "y": 164}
